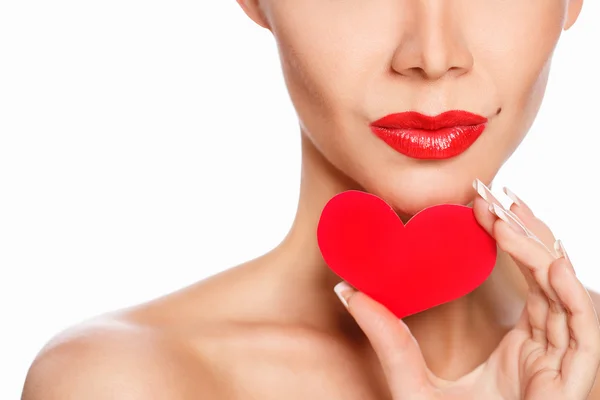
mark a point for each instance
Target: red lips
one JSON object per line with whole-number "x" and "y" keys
{"x": 425, "y": 137}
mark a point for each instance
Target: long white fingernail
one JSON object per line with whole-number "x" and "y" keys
{"x": 560, "y": 250}
{"x": 485, "y": 193}
{"x": 510, "y": 220}
{"x": 516, "y": 222}
{"x": 512, "y": 196}
{"x": 344, "y": 292}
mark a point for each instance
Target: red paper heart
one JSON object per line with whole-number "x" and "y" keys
{"x": 440, "y": 255}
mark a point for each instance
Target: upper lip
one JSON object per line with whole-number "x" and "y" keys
{"x": 416, "y": 120}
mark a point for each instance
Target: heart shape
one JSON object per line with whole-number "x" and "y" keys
{"x": 440, "y": 255}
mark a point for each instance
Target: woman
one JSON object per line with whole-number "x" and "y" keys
{"x": 272, "y": 328}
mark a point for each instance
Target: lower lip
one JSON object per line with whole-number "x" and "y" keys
{"x": 430, "y": 145}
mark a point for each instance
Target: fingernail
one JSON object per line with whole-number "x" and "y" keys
{"x": 517, "y": 200}
{"x": 515, "y": 223}
{"x": 560, "y": 249}
{"x": 485, "y": 193}
{"x": 512, "y": 196}
{"x": 561, "y": 252}
{"x": 344, "y": 292}
{"x": 509, "y": 219}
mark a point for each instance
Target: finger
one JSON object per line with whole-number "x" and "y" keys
{"x": 483, "y": 215}
{"x": 485, "y": 193}
{"x": 557, "y": 324}
{"x": 524, "y": 213}
{"x": 536, "y": 308}
{"x": 481, "y": 205}
{"x": 517, "y": 200}
{"x": 582, "y": 358}
{"x": 396, "y": 348}
{"x": 529, "y": 254}
{"x": 486, "y": 219}
{"x": 560, "y": 250}
{"x": 533, "y": 260}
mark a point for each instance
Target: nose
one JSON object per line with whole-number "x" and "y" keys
{"x": 432, "y": 45}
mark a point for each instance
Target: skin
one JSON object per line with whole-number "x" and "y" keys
{"x": 272, "y": 327}
{"x": 552, "y": 352}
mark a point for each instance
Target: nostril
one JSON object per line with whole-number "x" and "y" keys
{"x": 457, "y": 71}
{"x": 411, "y": 72}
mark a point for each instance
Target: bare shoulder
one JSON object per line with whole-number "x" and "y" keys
{"x": 154, "y": 350}
{"x": 221, "y": 338}
{"x": 108, "y": 358}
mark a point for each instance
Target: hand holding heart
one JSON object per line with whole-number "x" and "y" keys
{"x": 553, "y": 352}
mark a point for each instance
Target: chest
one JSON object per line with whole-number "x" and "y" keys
{"x": 292, "y": 382}
{"x": 317, "y": 374}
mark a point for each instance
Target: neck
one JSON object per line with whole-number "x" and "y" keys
{"x": 485, "y": 314}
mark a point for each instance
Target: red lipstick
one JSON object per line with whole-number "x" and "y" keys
{"x": 424, "y": 137}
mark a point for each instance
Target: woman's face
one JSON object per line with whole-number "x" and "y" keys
{"x": 348, "y": 63}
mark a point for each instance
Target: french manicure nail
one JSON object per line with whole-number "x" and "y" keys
{"x": 560, "y": 250}
{"x": 344, "y": 292}
{"x": 512, "y": 196}
{"x": 510, "y": 220}
{"x": 485, "y": 193}
{"x": 516, "y": 222}
{"x": 517, "y": 200}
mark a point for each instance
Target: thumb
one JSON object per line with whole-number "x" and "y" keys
{"x": 396, "y": 348}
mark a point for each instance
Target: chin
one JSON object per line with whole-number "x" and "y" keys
{"x": 412, "y": 188}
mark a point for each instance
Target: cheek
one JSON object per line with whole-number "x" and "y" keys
{"x": 328, "y": 59}
{"x": 521, "y": 75}
{"x": 516, "y": 52}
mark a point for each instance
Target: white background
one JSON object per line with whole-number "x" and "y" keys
{"x": 145, "y": 145}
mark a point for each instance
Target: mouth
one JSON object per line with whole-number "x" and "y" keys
{"x": 430, "y": 137}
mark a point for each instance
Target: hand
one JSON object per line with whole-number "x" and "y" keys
{"x": 553, "y": 352}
